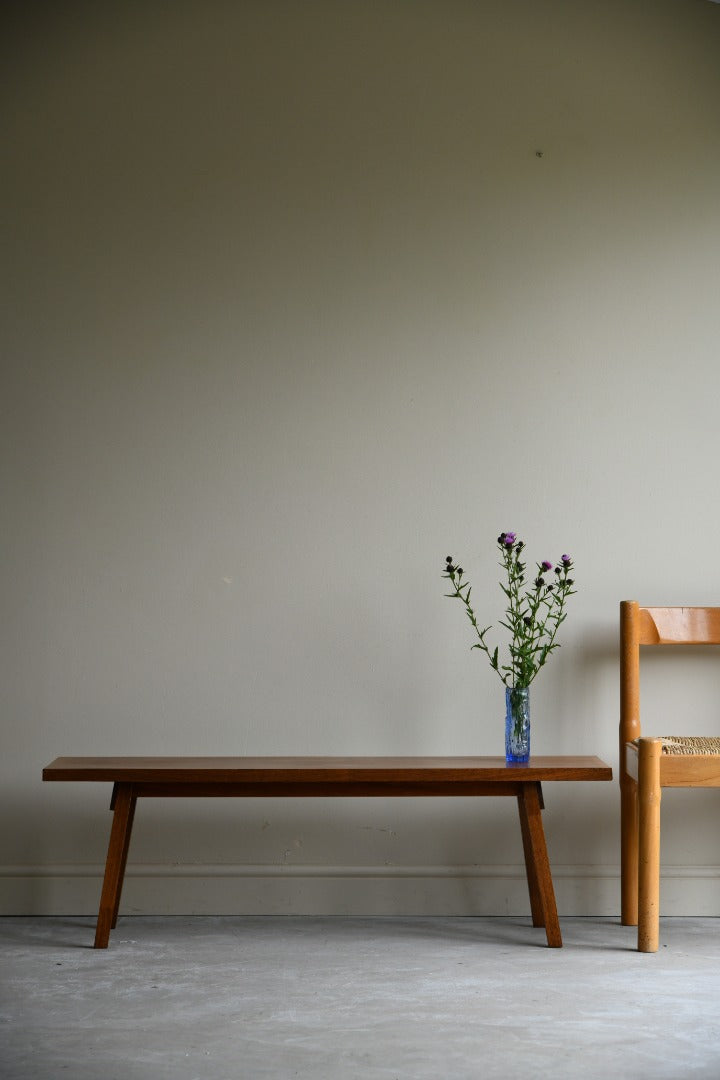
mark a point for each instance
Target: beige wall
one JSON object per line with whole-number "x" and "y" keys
{"x": 293, "y": 310}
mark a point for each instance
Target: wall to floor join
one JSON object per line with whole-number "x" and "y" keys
{"x": 341, "y": 890}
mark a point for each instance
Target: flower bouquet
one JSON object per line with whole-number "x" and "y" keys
{"x": 534, "y": 613}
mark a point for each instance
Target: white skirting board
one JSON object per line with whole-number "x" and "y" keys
{"x": 341, "y": 890}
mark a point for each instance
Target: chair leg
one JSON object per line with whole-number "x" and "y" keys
{"x": 629, "y": 852}
{"x": 649, "y": 794}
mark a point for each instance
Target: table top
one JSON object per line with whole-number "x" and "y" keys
{"x": 343, "y": 770}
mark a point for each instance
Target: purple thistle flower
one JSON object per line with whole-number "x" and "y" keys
{"x": 532, "y": 617}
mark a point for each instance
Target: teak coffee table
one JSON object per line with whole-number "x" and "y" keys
{"x": 249, "y": 777}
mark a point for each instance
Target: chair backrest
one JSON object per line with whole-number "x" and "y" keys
{"x": 655, "y": 626}
{"x": 677, "y": 625}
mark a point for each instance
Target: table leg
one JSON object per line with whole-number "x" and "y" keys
{"x": 537, "y": 864}
{"x": 123, "y": 861}
{"x": 123, "y": 804}
{"x": 538, "y": 918}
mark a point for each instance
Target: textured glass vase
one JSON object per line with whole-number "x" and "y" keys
{"x": 517, "y": 724}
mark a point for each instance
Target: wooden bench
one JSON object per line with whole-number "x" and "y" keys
{"x": 250, "y": 777}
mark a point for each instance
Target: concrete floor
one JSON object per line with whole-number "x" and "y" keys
{"x": 336, "y": 998}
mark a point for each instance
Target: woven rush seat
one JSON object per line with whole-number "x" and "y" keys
{"x": 690, "y": 744}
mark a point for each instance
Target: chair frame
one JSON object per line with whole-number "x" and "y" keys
{"x": 644, "y": 769}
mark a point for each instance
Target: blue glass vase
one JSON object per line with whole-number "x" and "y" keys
{"x": 517, "y": 724}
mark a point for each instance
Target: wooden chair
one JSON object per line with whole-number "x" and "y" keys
{"x": 648, "y": 764}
